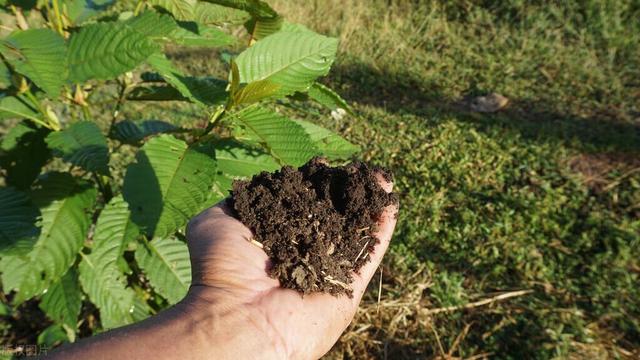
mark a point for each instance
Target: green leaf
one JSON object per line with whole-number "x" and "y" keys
{"x": 5, "y": 75}
{"x": 166, "y": 264}
{"x": 214, "y": 14}
{"x": 152, "y": 24}
{"x": 255, "y": 91}
{"x": 180, "y": 9}
{"x": 168, "y": 183}
{"x": 261, "y": 28}
{"x": 52, "y": 336}
{"x": 292, "y": 60}
{"x": 133, "y": 132}
{"x": 12, "y": 107}
{"x": 106, "y": 50}
{"x": 194, "y": 34}
{"x": 23, "y": 153}
{"x": 81, "y": 144}
{"x": 80, "y": 11}
{"x": 99, "y": 274}
{"x": 220, "y": 190}
{"x": 140, "y": 309}
{"x": 62, "y": 300}
{"x": 40, "y": 55}
{"x": 330, "y": 144}
{"x": 293, "y": 27}
{"x": 283, "y": 138}
{"x": 66, "y": 205}
{"x": 239, "y": 160}
{"x": 327, "y": 97}
{"x": 17, "y": 217}
{"x": 256, "y": 8}
{"x": 201, "y": 91}
{"x": 155, "y": 93}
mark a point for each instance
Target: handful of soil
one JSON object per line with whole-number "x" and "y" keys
{"x": 316, "y": 223}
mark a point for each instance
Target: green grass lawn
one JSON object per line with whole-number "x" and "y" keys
{"x": 542, "y": 196}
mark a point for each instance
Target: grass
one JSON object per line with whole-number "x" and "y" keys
{"x": 542, "y": 196}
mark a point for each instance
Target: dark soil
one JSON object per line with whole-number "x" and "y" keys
{"x": 316, "y": 223}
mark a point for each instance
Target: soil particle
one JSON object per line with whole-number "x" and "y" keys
{"x": 316, "y": 224}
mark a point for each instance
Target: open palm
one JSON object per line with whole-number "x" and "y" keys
{"x": 230, "y": 271}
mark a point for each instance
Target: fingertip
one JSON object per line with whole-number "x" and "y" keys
{"x": 384, "y": 180}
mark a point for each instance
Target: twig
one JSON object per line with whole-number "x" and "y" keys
{"x": 620, "y": 178}
{"x": 379, "y": 292}
{"x": 331, "y": 280}
{"x": 475, "y": 304}
{"x": 257, "y": 243}
{"x": 361, "y": 251}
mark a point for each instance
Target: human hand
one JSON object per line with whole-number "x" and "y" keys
{"x": 230, "y": 281}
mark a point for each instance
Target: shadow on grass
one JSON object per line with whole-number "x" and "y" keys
{"x": 403, "y": 93}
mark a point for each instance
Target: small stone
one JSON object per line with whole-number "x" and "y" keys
{"x": 489, "y": 103}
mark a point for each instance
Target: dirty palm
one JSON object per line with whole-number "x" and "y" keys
{"x": 93, "y": 236}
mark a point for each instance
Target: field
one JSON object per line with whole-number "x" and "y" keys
{"x": 539, "y": 201}
{"x": 519, "y": 230}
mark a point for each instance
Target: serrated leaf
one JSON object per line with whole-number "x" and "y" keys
{"x": 205, "y": 92}
{"x": 13, "y": 107}
{"x": 327, "y": 97}
{"x": 99, "y": 274}
{"x": 256, "y": 8}
{"x": 239, "y": 160}
{"x": 283, "y": 138}
{"x": 180, "y": 9}
{"x": 23, "y": 154}
{"x": 80, "y": 11}
{"x": 106, "y": 50}
{"x": 166, "y": 264}
{"x": 168, "y": 183}
{"x": 81, "y": 144}
{"x": 40, "y": 55}
{"x": 214, "y": 14}
{"x": 133, "y": 132}
{"x": 62, "y": 300}
{"x": 152, "y": 24}
{"x": 194, "y": 34}
{"x": 255, "y": 91}
{"x": 330, "y": 144}
{"x": 17, "y": 217}
{"x": 292, "y": 60}
{"x": 66, "y": 205}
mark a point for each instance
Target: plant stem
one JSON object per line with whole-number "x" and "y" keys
{"x": 116, "y": 110}
{"x": 47, "y": 123}
{"x": 138, "y": 7}
{"x": 56, "y": 10}
{"x": 105, "y": 189}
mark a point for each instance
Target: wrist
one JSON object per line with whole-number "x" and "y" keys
{"x": 227, "y": 328}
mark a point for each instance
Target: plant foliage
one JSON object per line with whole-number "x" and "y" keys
{"x": 83, "y": 229}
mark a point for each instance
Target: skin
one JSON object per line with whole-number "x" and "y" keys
{"x": 233, "y": 310}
